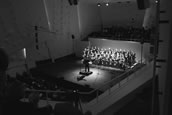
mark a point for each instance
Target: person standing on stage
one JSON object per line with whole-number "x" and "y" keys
{"x": 86, "y": 59}
{"x": 86, "y": 63}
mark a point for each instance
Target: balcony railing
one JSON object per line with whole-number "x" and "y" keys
{"x": 98, "y": 91}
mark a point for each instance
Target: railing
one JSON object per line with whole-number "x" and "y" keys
{"x": 98, "y": 91}
{"x": 115, "y": 81}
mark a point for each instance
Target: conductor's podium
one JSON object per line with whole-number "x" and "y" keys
{"x": 86, "y": 73}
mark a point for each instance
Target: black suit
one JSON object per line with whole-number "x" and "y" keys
{"x": 86, "y": 62}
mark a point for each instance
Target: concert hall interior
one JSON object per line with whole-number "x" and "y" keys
{"x": 85, "y": 57}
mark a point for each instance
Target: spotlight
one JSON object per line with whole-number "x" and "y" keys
{"x": 107, "y": 4}
{"x": 156, "y": 1}
{"x": 24, "y": 52}
{"x": 98, "y": 4}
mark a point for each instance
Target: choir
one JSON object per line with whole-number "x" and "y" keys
{"x": 110, "y": 57}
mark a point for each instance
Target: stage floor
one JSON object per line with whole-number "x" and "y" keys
{"x": 70, "y": 68}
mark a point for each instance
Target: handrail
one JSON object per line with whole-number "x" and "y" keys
{"x": 98, "y": 96}
{"x": 107, "y": 82}
{"x": 46, "y": 91}
{"x": 104, "y": 84}
{"x": 50, "y": 91}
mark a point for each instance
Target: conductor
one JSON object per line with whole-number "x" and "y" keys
{"x": 86, "y": 63}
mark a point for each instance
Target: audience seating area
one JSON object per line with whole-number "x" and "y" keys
{"x": 128, "y": 33}
{"x": 42, "y": 82}
{"x": 15, "y": 102}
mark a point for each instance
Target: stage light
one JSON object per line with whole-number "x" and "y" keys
{"x": 24, "y": 52}
{"x": 107, "y": 4}
{"x": 156, "y": 1}
{"x": 98, "y": 4}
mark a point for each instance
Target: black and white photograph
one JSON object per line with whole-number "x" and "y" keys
{"x": 85, "y": 57}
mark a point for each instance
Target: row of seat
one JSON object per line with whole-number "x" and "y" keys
{"x": 123, "y": 33}
{"x": 63, "y": 90}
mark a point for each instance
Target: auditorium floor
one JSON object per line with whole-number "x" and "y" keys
{"x": 69, "y": 68}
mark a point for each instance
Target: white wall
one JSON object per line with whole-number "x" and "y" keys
{"x": 92, "y": 17}
{"x": 80, "y": 46}
{"x": 89, "y": 18}
{"x": 121, "y": 14}
{"x": 56, "y": 19}
{"x": 150, "y": 16}
{"x": 64, "y": 22}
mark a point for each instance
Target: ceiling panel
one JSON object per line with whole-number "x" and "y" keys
{"x": 105, "y": 1}
{"x": 112, "y": 1}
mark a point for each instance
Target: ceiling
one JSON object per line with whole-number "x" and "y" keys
{"x": 112, "y": 1}
{"x": 109, "y": 1}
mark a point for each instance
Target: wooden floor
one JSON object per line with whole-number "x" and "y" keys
{"x": 69, "y": 69}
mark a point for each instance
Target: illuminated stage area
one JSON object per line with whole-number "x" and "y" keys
{"x": 69, "y": 69}
{"x": 72, "y": 69}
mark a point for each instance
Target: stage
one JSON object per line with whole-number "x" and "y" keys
{"x": 70, "y": 69}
